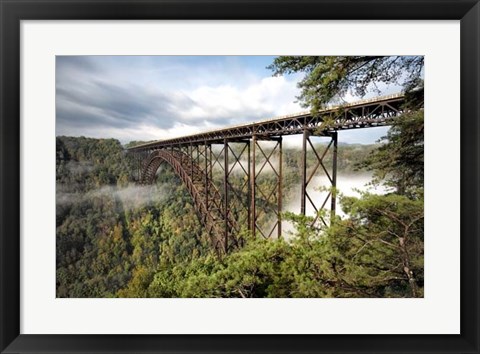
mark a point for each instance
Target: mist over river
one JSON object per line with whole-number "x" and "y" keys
{"x": 347, "y": 185}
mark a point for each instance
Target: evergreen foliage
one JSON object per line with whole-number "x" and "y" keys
{"x": 328, "y": 78}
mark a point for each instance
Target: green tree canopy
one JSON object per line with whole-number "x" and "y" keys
{"x": 331, "y": 77}
{"x": 399, "y": 162}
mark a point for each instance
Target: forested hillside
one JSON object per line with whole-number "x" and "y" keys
{"x": 118, "y": 239}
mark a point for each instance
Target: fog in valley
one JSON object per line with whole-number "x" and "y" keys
{"x": 351, "y": 185}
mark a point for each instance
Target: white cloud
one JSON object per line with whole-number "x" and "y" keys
{"x": 269, "y": 96}
{"x": 150, "y": 98}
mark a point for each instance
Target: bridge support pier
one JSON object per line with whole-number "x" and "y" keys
{"x": 226, "y": 210}
{"x": 237, "y": 167}
{"x": 252, "y": 181}
{"x": 308, "y": 174}
{"x": 207, "y": 175}
{"x": 333, "y": 205}
{"x": 228, "y": 167}
{"x": 268, "y": 174}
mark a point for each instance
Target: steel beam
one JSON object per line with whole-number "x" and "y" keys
{"x": 279, "y": 191}
{"x": 225, "y": 194}
{"x": 303, "y": 193}
{"x": 333, "y": 205}
{"x": 249, "y": 192}
{"x": 207, "y": 205}
{"x": 253, "y": 184}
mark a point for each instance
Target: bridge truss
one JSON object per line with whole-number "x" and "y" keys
{"x": 235, "y": 174}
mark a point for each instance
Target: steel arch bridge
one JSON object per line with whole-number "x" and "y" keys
{"x": 223, "y": 169}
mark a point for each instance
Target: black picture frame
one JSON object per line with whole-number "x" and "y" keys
{"x": 13, "y": 11}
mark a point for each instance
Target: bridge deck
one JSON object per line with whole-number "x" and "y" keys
{"x": 361, "y": 114}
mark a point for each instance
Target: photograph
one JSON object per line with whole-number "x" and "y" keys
{"x": 239, "y": 176}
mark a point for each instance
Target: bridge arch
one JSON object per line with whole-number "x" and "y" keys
{"x": 207, "y": 200}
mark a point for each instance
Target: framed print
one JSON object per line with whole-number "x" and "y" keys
{"x": 239, "y": 176}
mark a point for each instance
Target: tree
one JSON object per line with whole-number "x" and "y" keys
{"x": 377, "y": 251}
{"x": 379, "y": 248}
{"x": 399, "y": 161}
{"x": 331, "y": 77}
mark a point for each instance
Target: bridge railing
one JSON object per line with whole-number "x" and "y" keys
{"x": 360, "y": 114}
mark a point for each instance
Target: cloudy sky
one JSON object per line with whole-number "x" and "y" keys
{"x": 158, "y": 97}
